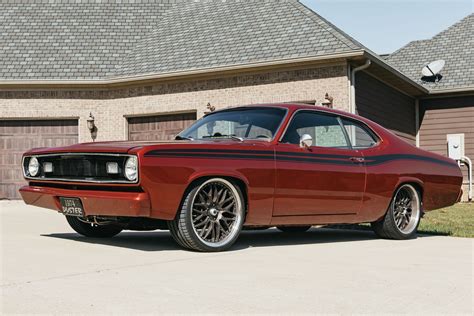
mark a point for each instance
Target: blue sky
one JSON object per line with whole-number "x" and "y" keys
{"x": 386, "y": 25}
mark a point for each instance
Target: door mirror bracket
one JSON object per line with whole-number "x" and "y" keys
{"x": 306, "y": 141}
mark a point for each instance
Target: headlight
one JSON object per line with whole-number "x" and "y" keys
{"x": 33, "y": 167}
{"x": 131, "y": 168}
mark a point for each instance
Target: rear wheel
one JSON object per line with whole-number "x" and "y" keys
{"x": 403, "y": 216}
{"x": 293, "y": 229}
{"x": 92, "y": 230}
{"x": 211, "y": 216}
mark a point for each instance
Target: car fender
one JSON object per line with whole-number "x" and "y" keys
{"x": 217, "y": 173}
{"x": 408, "y": 179}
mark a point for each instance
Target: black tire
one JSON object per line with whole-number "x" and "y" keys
{"x": 183, "y": 230}
{"x": 95, "y": 231}
{"x": 294, "y": 229}
{"x": 388, "y": 227}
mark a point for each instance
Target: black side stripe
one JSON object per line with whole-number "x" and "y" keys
{"x": 376, "y": 160}
{"x": 256, "y": 157}
{"x": 252, "y": 152}
{"x": 288, "y": 156}
{"x": 225, "y": 156}
{"x": 207, "y": 151}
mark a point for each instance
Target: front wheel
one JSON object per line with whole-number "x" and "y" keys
{"x": 403, "y": 215}
{"x": 211, "y": 216}
{"x": 92, "y": 230}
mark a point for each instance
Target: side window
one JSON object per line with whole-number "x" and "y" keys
{"x": 324, "y": 129}
{"x": 232, "y": 128}
{"x": 359, "y": 135}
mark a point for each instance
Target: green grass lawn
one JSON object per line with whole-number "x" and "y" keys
{"x": 457, "y": 220}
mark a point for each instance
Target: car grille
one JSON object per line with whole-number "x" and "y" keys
{"x": 80, "y": 167}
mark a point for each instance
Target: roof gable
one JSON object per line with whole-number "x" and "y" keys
{"x": 455, "y": 45}
{"x": 106, "y": 39}
{"x": 210, "y": 34}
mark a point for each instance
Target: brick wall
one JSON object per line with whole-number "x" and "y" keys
{"x": 110, "y": 107}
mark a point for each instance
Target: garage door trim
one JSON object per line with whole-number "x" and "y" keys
{"x": 127, "y": 116}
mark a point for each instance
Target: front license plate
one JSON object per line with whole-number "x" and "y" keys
{"x": 71, "y": 206}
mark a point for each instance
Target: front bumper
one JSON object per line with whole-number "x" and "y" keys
{"x": 103, "y": 203}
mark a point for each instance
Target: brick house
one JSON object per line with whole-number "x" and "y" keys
{"x": 146, "y": 69}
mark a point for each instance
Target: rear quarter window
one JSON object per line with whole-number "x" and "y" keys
{"x": 360, "y": 136}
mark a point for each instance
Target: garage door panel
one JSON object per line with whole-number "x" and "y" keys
{"x": 18, "y": 136}
{"x": 159, "y": 127}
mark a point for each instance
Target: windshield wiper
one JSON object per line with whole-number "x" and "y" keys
{"x": 179, "y": 137}
{"x": 240, "y": 139}
{"x": 237, "y": 138}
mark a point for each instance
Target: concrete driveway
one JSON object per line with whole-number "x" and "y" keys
{"x": 46, "y": 268}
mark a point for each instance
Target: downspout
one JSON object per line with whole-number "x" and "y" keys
{"x": 468, "y": 161}
{"x": 353, "y": 91}
{"x": 417, "y": 122}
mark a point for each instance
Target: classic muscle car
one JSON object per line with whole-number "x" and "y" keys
{"x": 284, "y": 165}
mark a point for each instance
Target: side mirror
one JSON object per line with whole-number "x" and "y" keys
{"x": 306, "y": 141}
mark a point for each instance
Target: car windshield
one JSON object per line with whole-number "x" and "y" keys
{"x": 244, "y": 123}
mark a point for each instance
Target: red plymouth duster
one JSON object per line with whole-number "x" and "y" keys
{"x": 284, "y": 165}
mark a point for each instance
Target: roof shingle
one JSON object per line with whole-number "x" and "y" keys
{"x": 201, "y": 35}
{"x": 71, "y": 39}
{"x": 455, "y": 45}
{"x": 99, "y": 39}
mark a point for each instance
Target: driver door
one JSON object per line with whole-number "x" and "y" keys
{"x": 323, "y": 179}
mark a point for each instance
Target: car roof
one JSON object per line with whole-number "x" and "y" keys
{"x": 291, "y": 107}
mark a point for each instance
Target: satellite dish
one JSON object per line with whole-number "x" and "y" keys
{"x": 433, "y": 69}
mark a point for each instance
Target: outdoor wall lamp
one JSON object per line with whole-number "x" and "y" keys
{"x": 327, "y": 102}
{"x": 90, "y": 122}
{"x": 210, "y": 108}
{"x": 91, "y": 126}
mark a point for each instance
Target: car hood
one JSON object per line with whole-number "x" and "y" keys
{"x": 124, "y": 147}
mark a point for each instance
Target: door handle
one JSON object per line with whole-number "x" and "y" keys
{"x": 357, "y": 159}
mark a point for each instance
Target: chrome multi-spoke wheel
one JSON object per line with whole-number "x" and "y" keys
{"x": 406, "y": 209}
{"x": 403, "y": 216}
{"x": 216, "y": 212}
{"x": 211, "y": 217}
